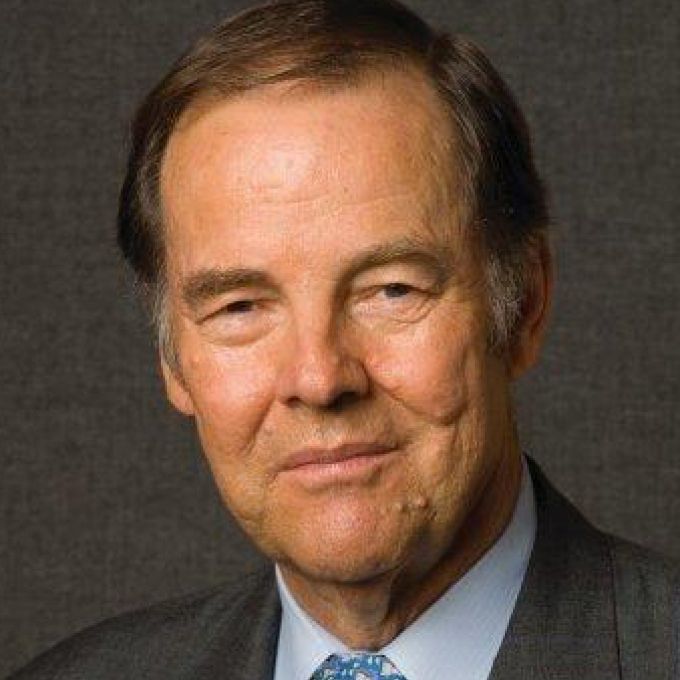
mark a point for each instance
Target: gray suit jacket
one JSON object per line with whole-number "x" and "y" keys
{"x": 592, "y": 607}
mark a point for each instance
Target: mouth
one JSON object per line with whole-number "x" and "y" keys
{"x": 349, "y": 462}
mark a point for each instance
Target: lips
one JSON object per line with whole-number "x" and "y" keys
{"x": 311, "y": 457}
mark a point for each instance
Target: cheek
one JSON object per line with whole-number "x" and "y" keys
{"x": 433, "y": 371}
{"x": 221, "y": 380}
{"x": 232, "y": 394}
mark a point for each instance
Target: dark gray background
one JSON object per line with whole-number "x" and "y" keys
{"x": 106, "y": 503}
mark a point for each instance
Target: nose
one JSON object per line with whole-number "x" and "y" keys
{"x": 320, "y": 371}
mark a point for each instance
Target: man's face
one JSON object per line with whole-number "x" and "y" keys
{"x": 329, "y": 319}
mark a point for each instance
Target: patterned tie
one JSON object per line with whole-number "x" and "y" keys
{"x": 357, "y": 667}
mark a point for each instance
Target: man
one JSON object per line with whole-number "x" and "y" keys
{"x": 336, "y": 214}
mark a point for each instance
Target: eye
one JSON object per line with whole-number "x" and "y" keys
{"x": 241, "y": 321}
{"x": 392, "y": 301}
{"x": 397, "y": 290}
{"x": 240, "y": 307}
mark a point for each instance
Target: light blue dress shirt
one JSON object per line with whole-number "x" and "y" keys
{"x": 457, "y": 638}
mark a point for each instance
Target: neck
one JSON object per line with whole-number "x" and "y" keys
{"x": 368, "y": 615}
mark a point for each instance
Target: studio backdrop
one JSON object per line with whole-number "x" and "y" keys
{"x": 106, "y": 502}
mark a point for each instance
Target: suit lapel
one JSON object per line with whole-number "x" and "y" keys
{"x": 245, "y": 634}
{"x": 563, "y": 625}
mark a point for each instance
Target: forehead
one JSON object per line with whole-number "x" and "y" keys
{"x": 304, "y": 134}
{"x": 282, "y": 159}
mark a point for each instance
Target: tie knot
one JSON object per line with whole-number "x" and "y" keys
{"x": 357, "y": 666}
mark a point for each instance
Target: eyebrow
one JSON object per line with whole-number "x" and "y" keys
{"x": 207, "y": 284}
{"x": 409, "y": 250}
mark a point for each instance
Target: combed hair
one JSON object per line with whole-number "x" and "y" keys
{"x": 341, "y": 43}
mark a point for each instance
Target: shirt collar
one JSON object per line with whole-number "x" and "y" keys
{"x": 457, "y": 637}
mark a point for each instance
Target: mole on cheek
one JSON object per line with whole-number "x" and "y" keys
{"x": 411, "y": 504}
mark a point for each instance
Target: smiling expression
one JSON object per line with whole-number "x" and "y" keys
{"x": 329, "y": 318}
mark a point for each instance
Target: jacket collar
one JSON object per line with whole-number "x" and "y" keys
{"x": 564, "y": 623}
{"x": 244, "y": 632}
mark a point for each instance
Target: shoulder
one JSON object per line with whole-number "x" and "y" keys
{"x": 615, "y": 599}
{"x": 148, "y": 643}
{"x": 647, "y": 604}
{"x": 642, "y": 572}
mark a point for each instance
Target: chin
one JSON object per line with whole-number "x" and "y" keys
{"x": 347, "y": 558}
{"x": 349, "y": 537}
{"x": 347, "y": 569}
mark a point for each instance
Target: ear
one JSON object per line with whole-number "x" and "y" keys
{"x": 536, "y": 305}
{"x": 175, "y": 388}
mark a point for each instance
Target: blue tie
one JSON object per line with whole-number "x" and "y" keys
{"x": 357, "y": 667}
